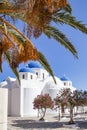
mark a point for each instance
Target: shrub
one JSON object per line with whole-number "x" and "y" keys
{"x": 42, "y": 102}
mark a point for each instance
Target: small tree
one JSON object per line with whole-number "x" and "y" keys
{"x": 67, "y": 98}
{"x": 60, "y": 100}
{"x": 81, "y": 98}
{"x": 42, "y": 102}
{"x": 58, "y": 104}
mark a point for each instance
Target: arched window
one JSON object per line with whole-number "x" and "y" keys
{"x": 23, "y": 76}
{"x": 31, "y": 77}
{"x": 43, "y": 75}
{"x": 37, "y": 74}
{"x": 64, "y": 84}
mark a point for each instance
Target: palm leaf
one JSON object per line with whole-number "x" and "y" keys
{"x": 15, "y": 29}
{"x": 16, "y": 37}
{"x": 46, "y": 65}
{"x": 7, "y": 56}
{"x": 67, "y": 9}
{"x": 52, "y": 32}
{"x": 0, "y": 67}
{"x": 69, "y": 20}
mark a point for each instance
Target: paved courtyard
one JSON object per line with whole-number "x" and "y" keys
{"x": 51, "y": 123}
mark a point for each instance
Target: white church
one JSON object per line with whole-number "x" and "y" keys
{"x": 34, "y": 80}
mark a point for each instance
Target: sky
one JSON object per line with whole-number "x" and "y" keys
{"x": 60, "y": 59}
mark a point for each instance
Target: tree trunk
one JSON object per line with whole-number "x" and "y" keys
{"x": 43, "y": 111}
{"x": 59, "y": 114}
{"x": 62, "y": 110}
{"x": 71, "y": 115}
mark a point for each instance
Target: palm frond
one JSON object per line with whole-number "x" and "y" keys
{"x": 69, "y": 20}
{"x": 19, "y": 32}
{"x": 46, "y": 65}
{"x": 0, "y": 67}
{"x": 67, "y": 9}
{"x": 7, "y": 56}
{"x": 16, "y": 37}
{"x": 52, "y": 32}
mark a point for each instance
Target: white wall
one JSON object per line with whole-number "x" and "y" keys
{"x": 15, "y": 101}
{"x": 28, "y": 102}
{"x": 27, "y": 75}
{"x": 3, "y": 108}
{"x": 40, "y": 73}
{"x": 29, "y": 90}
{"x": 9, "y": 102}
{"x": 21, "y": 96}
{"x": 28, "y": 97}
{"x": 67, "y": 83}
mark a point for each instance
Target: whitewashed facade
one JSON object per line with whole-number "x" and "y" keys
{"x": 3, "y": 108}
{"x": 34, "y": 80}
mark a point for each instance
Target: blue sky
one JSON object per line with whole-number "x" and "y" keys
{"x": 60, "y": 59}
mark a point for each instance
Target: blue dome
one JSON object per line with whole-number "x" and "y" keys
{"x": 26, "y": 70}
{"x": 34, "y": 64}
{"x": 64, "y": 78}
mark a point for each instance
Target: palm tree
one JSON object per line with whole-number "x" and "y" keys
{"x": 14, "y": 46}
{"x": 17, "y": 48}
{"x": 38, "y": 17}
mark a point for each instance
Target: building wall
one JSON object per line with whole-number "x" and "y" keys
{"x": 9, "y": 102}
{"x": 27, "y": 76}
{"x": 3, "y": 108}
{"x": 21, "y": 96}
{"x": 15, "y": 102}
{"x": 67, "y": 83}
{"x": 29, "y": 90}
{"x": 28, "y": 97}
{"x": 42, "y": 74}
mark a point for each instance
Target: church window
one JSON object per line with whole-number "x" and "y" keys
{"x": 37, "y": 74}
{"x": 31, "y": 77}
{"x": 43, "y": 75}
{"x": 64, "y": 84}
{"x": 23, "y": 76}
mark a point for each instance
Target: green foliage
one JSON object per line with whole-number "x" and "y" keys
{"x": 52, "y": 32}
{"x": 38, "y": 18}
{"x": 45, "y": 64}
